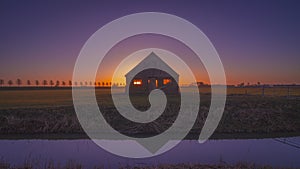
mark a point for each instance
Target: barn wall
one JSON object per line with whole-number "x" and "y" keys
{"x": 153, "y": 73}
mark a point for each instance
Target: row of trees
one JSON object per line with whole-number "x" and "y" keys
{"x": 57, "y": 83}
{"x": 248, "y": 84}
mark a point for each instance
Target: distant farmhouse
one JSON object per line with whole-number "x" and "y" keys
{"x": 145, "y": 77}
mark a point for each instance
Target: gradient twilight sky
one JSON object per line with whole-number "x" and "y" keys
{"x": 256, "y": 40}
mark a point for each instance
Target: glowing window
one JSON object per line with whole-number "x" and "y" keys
{"x": 166, "y": 81}
{"x": 137, "y": 82}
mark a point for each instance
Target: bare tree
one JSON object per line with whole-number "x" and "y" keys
{"x": 258, "y": 83}
{"x": 241, "y": 84}
{"x": 57, "y": 83}
{"x": 10, "y": 82}
{"x": 28, "y": 82}
{"x": 37, "y": 83}
{"x": 1, "y": 82}
{"x": 51, "y": 83}
{"x": 19, "y": 82}
{"x": 45, "y": 82}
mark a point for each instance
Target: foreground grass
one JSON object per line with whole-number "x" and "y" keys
{"x": 74, "y": 165}
{"x": 201, "y": 166}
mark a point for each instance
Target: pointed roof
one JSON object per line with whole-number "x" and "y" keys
{"x": 152, "y": 61}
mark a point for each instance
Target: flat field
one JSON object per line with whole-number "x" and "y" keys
{"x": 63, "y": 96}
{"x": 50, "y": 111}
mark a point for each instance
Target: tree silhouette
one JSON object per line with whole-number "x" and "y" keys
{"x": 37, "y": 83}
{"x": 57, "y": 83}
{"x": 10, "y": 82}
{"x": 241, "y": 84}
{"x": 70, "y": 83}
{"x": 51, "y": 83}
{"x": 63, "y": 83}
{"x": 99, "y": 84}
{"x": 81, "y": 84}
{"x": 45, "y": 82}
{"x": 19, "y": 82}
{"x": 103, "y": 83}
{"x": 28, "y": 82}
{"x": 1, "y": 82}
{"x": 86, "y": 83}
{"x": 106, "y": 83}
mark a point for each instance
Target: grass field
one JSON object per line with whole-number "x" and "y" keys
{"x": 35, "y": 98}
{"x": 77, "y": 165}
{"x": 51, "y": 112}
{"x": 63, "y": 97}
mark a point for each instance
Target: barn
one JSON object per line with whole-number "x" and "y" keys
{"x": 151, "y": 73}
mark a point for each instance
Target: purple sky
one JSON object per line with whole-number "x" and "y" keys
{"x": 256, "y": 40}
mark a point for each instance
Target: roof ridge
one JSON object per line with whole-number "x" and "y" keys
{"x": 150, "y": 56}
